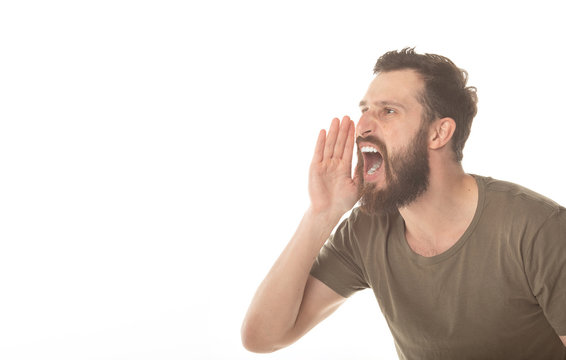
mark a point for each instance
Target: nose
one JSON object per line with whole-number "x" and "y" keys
{"x": 366, "y": 126}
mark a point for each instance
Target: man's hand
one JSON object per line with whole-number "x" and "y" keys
{"x": 332, "y": 189}
{"x": 289, "y": 302}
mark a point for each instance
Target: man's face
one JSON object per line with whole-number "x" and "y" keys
{"x": 392, "y": 142}
{"x": 406, "y": 176}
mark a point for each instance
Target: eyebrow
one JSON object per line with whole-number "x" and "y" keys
{"x": 363, "y": 103}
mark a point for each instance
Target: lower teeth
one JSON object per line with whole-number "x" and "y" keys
{"x": 373, "y": 169}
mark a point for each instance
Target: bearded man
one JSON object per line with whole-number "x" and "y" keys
{"x": 463, "y": 266}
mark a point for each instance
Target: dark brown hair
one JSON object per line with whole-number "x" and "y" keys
{"x": 445, "y": 93}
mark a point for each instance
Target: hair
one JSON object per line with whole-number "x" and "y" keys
{"x": 445, "y": 91}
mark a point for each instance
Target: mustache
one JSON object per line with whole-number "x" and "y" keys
{"x": 371, "y": 139}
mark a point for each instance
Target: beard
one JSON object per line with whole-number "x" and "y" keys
{"x": 406, "y": 176}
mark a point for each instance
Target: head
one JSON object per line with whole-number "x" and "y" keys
{"x": 412, "y": 96}
{"x": 445, "y": 93}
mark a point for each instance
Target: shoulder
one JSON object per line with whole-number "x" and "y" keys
{"x": 518, "y": 214}
{"x": 516, "y": 200}
{"x": 520, "y": 222}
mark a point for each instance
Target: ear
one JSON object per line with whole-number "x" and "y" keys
{"x": 441, "y": 132}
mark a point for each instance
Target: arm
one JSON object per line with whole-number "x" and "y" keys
{"x": 563, "y": 338}
{"x": 289, "y": 302}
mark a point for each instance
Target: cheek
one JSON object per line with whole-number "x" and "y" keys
{"x": 398, "y": 139}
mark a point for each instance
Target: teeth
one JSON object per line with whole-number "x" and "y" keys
{"x": 365, "y": 149}
{"x": 375, "y": 166}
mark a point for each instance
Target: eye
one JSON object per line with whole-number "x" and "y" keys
{"x": 389, "y": 111}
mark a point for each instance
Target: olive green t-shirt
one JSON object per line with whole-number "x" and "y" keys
{"x": 498, "y": 293}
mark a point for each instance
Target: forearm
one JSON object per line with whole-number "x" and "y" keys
{"x": 276, "y": 304}
{"x": 272, "y": 317}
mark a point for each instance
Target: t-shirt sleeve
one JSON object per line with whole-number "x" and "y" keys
{"x": 545, "y": 266}
{"x": 339, "y": 263}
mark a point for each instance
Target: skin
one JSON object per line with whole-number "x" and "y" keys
{"x": 439, "y": 217}
{"x": 289, "y": 302}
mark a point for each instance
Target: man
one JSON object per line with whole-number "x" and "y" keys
{"x": 463, "y": 266}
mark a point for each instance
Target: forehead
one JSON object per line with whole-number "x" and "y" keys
{"x": 400, "y": 86}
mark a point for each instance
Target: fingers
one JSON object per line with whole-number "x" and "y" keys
{"x": 338, "y": 144}
{"x": 319, "y": 148}
{"x": 342, "y": 137}
{"x": 349, "y": 147}
{"x": 331, "y": 138}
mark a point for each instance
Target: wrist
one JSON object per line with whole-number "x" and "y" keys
{"x": 325, "y": 217}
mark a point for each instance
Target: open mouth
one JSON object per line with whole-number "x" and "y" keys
{"x": 372, "y": 159}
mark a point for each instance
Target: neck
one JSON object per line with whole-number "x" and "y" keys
{"x": 438, "y": 218}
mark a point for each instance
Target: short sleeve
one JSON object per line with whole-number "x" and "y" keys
{"x": 339, "y": 263}
{"x": 545, "y": 266}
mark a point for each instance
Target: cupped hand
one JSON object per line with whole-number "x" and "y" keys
{"x": 332, "y": 188}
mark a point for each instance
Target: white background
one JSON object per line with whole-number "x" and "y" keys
{"x": 154, "y": 156}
